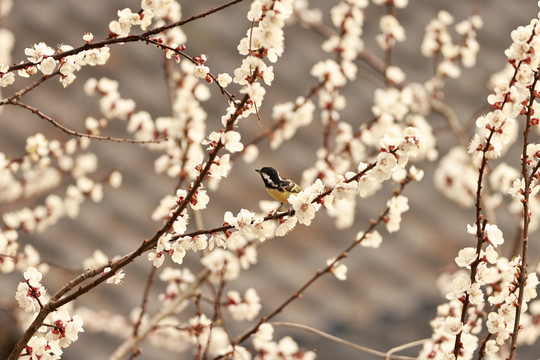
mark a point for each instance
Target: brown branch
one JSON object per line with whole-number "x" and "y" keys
{"x": 146, "y": 293}
{"x": 19, "y": 94}
{"x": 217, "y": 308}
{"x": 77, "y": 133}
{"x": 152, "y": 323}
{"x": 387, "y": 355}
{"x": 522, "y": 276}
{"x": 480, "y": 221}
{"x": 128, "y": 38}
{"x": 192, "y": 59}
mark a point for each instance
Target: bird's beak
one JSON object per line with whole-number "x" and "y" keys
{"x": 258, "y": 170}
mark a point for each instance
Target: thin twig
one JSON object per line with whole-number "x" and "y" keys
{"x": 152, "y": 323}
{"x": 451, "y": 117}
{"x": 79, "y": 134}
{"x": 522, "y": 275}
{"x": 386, "y": 355}
{"x": 19, "y": 94}
{"x": 217, "y": 308}
{"x": 146, "y": 293}
{"x": 192, "y": 59}
{"x": 405, "y": 346}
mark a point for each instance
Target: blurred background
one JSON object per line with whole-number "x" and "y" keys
{"x": 390, "y": 294}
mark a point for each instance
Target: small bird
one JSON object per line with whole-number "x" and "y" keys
{"x": 278, "y": 188}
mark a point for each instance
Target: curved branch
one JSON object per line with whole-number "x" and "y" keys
{"x": 387, "y": 355}
{"x": 79, "y": 134}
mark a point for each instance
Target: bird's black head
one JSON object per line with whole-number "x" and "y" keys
{"x": 270, "y": 177}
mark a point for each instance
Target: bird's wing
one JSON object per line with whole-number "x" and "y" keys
{"x": 292, "y": 187}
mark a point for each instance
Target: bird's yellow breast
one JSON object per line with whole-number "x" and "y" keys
{"x": 279, "y": 195}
